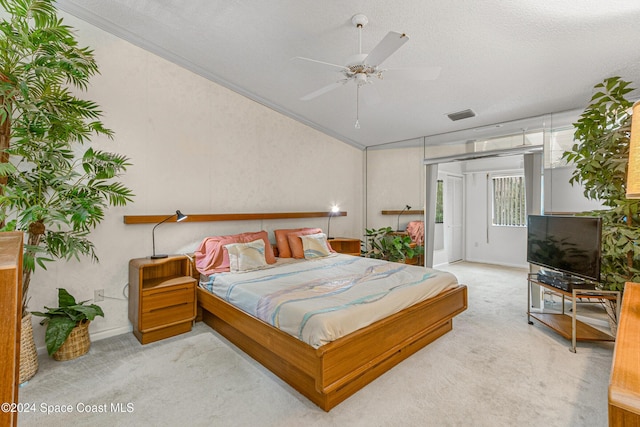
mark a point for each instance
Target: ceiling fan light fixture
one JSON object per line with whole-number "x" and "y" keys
{"x": 361, "y": 79}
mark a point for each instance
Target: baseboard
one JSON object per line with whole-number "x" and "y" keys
{"x": 97, "y": 336}
{"x": 501, "y": 264}
{"x": 100, "y": 335}
{"x": 441, "y": 264}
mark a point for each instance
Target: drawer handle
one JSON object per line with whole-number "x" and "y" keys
{"x": 168, "y": 306}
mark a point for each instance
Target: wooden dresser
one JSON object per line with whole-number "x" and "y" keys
{"x": 162, "y": 297}
{"x": 624, "y": 385}
{"x": 11, "y": 315}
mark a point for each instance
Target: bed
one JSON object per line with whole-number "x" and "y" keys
{"x": 385, "y": 311}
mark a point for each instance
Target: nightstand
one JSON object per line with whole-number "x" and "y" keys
{"x": 162, "y": 297}
{"x": 345, "y": 245}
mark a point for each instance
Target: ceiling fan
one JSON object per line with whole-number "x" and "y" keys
{"x": 361, "y": 68}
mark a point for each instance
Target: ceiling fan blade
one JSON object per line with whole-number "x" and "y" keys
{"x": 323, "y": 90}
{"x": 320, "y": 62}
{"x": 429, "y": 73}
{"x": 387, "y": 46}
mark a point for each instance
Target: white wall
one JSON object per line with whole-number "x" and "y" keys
{"x": 507, "y": 245}
{"x": 484, "y": 242}
{"x": 562, "y": 197}
{"x": 200, "y": 148}
{"x": 395, "y": 178}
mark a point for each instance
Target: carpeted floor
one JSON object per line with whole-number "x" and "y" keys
{"x": 493, "y": 369}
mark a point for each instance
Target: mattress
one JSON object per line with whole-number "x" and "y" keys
{"x": 321, "y": 300}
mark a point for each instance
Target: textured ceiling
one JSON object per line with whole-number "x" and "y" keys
{"x": 505, "y": 60}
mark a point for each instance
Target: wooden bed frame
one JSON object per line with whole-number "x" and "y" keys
{"x": 330, "y": 374}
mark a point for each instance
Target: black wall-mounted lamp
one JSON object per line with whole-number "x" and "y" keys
{"x": 179, "y": 217}
{"x": 406, "y": 208}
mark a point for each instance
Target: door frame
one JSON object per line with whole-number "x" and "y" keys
{"x": 449, "y": 204}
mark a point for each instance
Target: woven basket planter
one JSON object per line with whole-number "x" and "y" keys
{"x": 28, "y": 352}
{"x": 77, "y": 343}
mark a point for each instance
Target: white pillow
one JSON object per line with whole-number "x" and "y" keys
{"x": 246, "y": 256}
{"x": 315, "y": 245}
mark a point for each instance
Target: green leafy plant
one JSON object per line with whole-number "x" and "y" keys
{"x": 61, "y": 320}
{"x": 384, "y": 244}
{"x": 601, "y": 156}
{"x": 49, "y": 187}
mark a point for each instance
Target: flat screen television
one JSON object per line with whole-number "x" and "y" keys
{"x": 568, "y": 244}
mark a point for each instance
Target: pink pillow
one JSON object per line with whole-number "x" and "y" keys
{"x": 282, "y": 242}
{"x": 212, "y": 257}
{"x": 295, "y": 242}
{"x": 416, "y": 231}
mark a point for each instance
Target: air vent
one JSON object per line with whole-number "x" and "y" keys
{"x": 464, "y": 114}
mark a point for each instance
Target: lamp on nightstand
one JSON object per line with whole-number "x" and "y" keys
{"x": 334, "y": 211}
{"x": 406, "y": 208}
{"x": 179, "y": 217}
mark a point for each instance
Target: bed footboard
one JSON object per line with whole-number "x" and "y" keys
{"x": 330, "y": 374}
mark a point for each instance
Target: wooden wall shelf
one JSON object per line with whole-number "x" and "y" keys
{"x": 154, "y": 219}
{"x": 399, "y": 212}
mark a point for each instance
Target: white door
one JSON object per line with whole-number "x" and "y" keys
{"x": 453, "y": 218}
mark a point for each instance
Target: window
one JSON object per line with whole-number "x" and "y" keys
{"x": 509, "y": 208}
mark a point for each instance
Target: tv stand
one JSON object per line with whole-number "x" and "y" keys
{"x": 566, "y": 324}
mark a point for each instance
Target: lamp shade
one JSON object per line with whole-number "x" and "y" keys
{"x": 180, "y": 216}
{"x": 633, "y": 170}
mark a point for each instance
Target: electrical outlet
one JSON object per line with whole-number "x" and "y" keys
{"x": 98, "y": 295}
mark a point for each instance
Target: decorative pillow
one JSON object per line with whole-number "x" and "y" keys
{"x": 295, "y": 243}
{"x": 315, "y": 245}
{"x": 282, "y": 242}
{"x": 268, "y": 249}
{"x": 211, "y": 256}
{"x": 246, "y": 256}
{"x": 416, "y": 231}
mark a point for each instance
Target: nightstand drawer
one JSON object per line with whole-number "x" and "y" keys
{"x": 167, "y": 297}
{"x": 167, "y": 305}
{"x": 165, "y": 316}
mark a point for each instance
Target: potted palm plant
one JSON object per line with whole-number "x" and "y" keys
{"x": 67, "y": 334}
{"x": 51, "y": 188}
{"x": 601, "y": 156}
